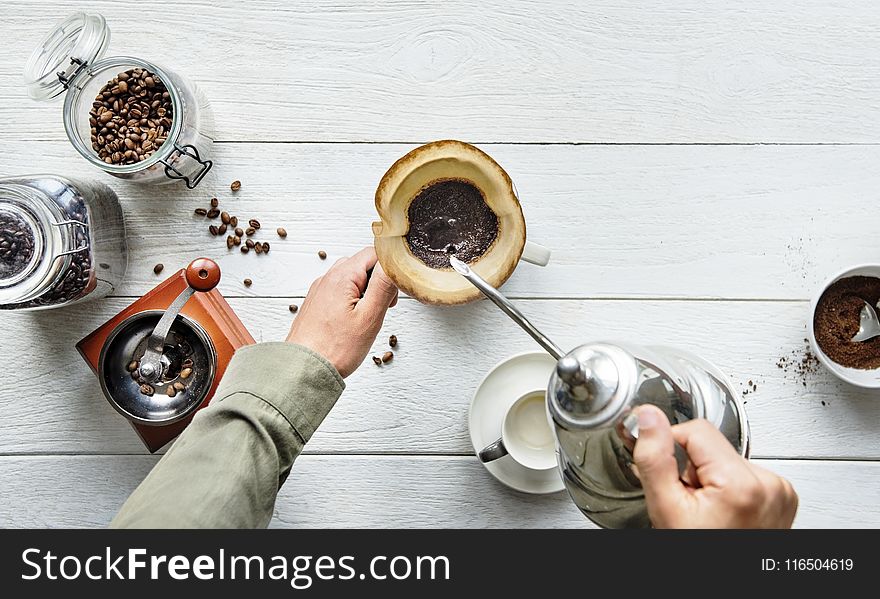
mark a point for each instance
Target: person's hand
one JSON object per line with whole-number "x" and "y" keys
{"x": 335, "y": 321}
{"x": 721, "y": 489}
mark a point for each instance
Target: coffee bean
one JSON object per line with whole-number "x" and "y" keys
{"x": 248, "y": 282}
{"x": 239, "y": 231}
{"x": 158, "y": 268}
{"x": 254, "y": 223}
{"x": 265, "y": 247}
{"x": 187, "y": 363}
{"x": 293, "y": 308}
{"x": 213, "y": 230}
{"x": 185, "y": 373}
{"x": 387, "y": 357}
{"x": 132, "y": 366}
{"x": 221, "y": 230}
{"x": 201, "y": 212}
{"x": 171, "y": 391}
{"x": 214, "y": 202}
{"x": 250, "y": 231}
{"x": 213, "y": 213}
{"x": 127, "y": 124}
{"x": 236, "y": 185}
{"x": 233, "y": 221}
{"x": 224, "y": 217}
{"x": 392, "y": 341}
{"x": 250, "y": 243}
{"x": 322, "y": 255}
{"x": 230, "y": 241}
{"x": 236, "y": 240}
{"x": 282, "y": 232}
{"x": 377, "y": 360}
{"x": 179, "y": 386}
{"x": 245, "y": 249}
{"x": 147, "y": 389}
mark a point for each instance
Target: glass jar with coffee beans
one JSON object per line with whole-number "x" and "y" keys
{"x": 129, "y": 117}
{"x": 61, "y": 241}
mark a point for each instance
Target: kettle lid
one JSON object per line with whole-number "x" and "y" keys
{"x": 591, "y": 384}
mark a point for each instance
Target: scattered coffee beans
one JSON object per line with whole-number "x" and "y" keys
{"x": 225, "y": 218}
{"x": 322, "y": 255}
{"x": 214, "y": 202}
{"x": 387, "y": 357}
{"x": 392, "y": 341}
{"x": 837, "y": 319}
{"x": 233, "y": 221}
{"x": 245, "y": 249}
{"x": 377, "y": 360}
{"x": 239, "y": 232}
{"x": 250, "y": 231}
{"x": 236, "y": 240}
{"x": 254, "y": 223}
{"x": 201, "y": 212}
{"x": 221, "y": 230}
{"x": 258, "y": 248}
{"x": 230, "y": 241}
{"x": 130, "y": 117}
{"x": 250, "y": 243}
{"x": 265, "y": 247}
{"x": 213, "y": 230}
{"x": 213, "y": 213}
{"x": 248, "y": 282}
{"x": 282, "y": 232}
{"x": 235, "y": 186}
{"x": 293, "y": 308}
{"x": 158, "y": 268}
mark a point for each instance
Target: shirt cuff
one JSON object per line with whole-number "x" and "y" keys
{"x": 299, "y": 383}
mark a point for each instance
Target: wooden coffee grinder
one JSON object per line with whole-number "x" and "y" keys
{"x": 160, "y": 360}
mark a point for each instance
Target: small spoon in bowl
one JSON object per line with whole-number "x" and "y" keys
{"x": 869, "y": 324}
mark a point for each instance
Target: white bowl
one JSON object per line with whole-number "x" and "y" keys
{"x": 867, "y": 379}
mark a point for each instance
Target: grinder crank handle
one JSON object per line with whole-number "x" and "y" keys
{"x": 502, "y": 302}
{"x": 202, "y": 274}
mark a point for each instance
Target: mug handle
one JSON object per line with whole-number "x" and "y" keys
{"x": 492, "y": 452}
{"x": 535, "y": 254}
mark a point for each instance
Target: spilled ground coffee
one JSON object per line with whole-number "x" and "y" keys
{"x": 837, "y": 321}
{"x": 450, "y": 216}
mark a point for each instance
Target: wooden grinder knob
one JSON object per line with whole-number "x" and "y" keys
{"x": 203, "y": 274}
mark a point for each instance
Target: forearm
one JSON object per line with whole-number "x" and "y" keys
{"x": 226, "y": 468}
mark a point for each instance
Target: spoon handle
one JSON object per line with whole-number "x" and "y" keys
{"x": 502, "y": 302}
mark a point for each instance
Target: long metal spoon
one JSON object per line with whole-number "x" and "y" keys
{"x": 502, "y": 302}
{"x": 869, "y": 324}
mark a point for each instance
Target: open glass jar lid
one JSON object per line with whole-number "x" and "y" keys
{"x": 127, "y": 116}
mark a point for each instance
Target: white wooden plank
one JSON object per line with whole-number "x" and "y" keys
{"x": 622, "y": 221}
{"x": 389, "y": 492}
{"x": 553, "y": 71}
{"x": 419, "y": 402}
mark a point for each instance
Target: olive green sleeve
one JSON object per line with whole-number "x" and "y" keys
{"x": 226, "y": 468}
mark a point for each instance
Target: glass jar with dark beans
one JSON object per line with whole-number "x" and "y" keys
{"x": 61, "y": 241}
{"x": 127, "y": 116}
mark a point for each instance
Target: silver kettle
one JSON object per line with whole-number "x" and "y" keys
{"x": 590, "y": 401}
{"x": 591, "y": 396}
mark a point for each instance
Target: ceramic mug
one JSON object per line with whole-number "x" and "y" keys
{"x": 424, "y": 166}
{"x": 525, "y": 434}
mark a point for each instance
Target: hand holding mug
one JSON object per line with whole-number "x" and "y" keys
{"x": 344, "y": 310}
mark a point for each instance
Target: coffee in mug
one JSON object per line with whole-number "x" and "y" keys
{"x": 443, "y": 198}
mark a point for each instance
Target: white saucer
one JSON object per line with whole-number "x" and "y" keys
{"x": 502, "y": 386}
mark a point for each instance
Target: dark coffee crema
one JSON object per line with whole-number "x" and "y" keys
{"x": 450, "y": 216}
{"x": 16, "y": 245}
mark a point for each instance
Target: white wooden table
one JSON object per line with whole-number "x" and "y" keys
{"x": 698, "y": 168}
